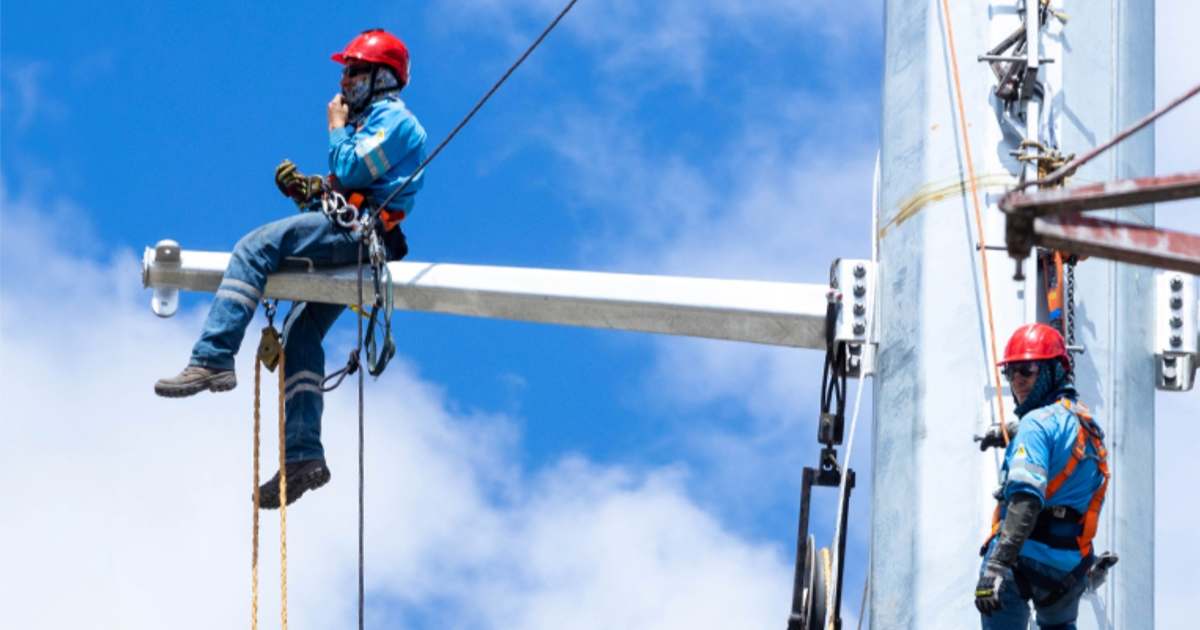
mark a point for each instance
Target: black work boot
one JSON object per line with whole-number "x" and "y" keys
{"x": 195, "y": 379}
{"x": 302, "y": 476}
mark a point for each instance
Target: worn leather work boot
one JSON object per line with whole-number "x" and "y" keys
{"x": 195, "y": 379}
{"x": 302, "y": 476}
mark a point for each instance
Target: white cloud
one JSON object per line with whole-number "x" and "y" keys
{"x": 135, "y": 508}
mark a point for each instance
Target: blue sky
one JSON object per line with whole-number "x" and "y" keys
{"x": 519, "y": 471}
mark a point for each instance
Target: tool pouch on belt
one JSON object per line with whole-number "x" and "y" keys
{"x": 1031, "y": 583}
{"x": 1059, "y": 527}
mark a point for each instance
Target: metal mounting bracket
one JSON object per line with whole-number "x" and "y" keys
{"x": 852, "y": 283}
{"x": 1176, "y": 346}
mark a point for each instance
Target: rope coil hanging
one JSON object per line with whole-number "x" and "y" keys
{"x": 271, "y": 354}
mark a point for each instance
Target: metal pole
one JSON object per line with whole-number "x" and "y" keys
{"x": 931, "y": 498}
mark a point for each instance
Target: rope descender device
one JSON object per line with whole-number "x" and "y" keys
{"x": 817, "y": 586}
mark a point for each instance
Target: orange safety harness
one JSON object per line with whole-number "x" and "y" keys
{"x": 1089, "y": 520}
{"x": 389, "y": 218}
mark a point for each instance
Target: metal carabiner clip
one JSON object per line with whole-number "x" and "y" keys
{"x": 346, "y": 217}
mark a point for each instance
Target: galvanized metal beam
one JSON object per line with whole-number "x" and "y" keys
{"x": 774, "y": 313}
{"x": 1114, "y": 194}
{"x": 1124, "y": 242}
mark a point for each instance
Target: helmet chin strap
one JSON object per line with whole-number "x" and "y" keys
{"x": 357, "y": 109}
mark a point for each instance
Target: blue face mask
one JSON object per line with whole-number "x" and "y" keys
{"x": 1053, "y": 382}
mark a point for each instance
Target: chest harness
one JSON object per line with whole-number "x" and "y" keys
{"x": 1059, "y": 526}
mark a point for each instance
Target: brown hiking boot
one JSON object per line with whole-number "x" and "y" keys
{"x": 302, "y": 476}
{"x": 195, "y": 379}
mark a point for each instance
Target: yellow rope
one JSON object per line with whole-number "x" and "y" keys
{"x": 254, "y": 544}
{"x": 282, "y": 496}
{"x": 282, "y": 501}
{"x": 987, "y": 285}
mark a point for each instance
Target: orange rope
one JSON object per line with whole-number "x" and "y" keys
{"x": 987, "y": 285}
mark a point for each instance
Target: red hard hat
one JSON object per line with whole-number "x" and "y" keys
{"x": 1036, "y": 342}
{"x": 378, "y": 46}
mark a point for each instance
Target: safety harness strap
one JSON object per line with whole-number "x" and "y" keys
{"x": 1087, "y": 432}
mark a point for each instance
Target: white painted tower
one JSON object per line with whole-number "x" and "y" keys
{"x": 935, "y": 385}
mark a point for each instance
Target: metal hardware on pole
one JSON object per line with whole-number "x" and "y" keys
{"x": 849, "y": 316}
{"x": 1176, "y": 340}
{"x": 1070, "y": 167}
{"x": 1032, "y": 145}
{"x": 1011, "y": 58}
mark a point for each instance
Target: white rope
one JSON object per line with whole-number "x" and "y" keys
{"x": 870, "y": 337}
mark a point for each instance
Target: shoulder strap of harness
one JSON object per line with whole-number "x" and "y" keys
{"x": 1087, "y": 433}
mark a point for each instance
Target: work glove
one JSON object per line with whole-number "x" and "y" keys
{"x": 300, "y": 188}
{"x": 995, "y": 438}
{"x": 987, "y": 589}
{"x": 1099, "y": 571}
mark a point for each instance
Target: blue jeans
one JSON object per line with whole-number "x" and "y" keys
{"x": 260, "y": 253}
{"x": 1014, "y": 614}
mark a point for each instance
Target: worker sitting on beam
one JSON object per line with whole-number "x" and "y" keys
{"x": 1053, "y": 482}
{"x": 375, "y": 145}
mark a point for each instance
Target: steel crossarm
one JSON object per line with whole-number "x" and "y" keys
{"x": 1114, "y": 194}
{"x": 1115, "y": 240}
{"x": 773, "y": 313}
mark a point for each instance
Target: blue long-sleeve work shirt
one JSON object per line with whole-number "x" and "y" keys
{"x": 379, "y": 154}
{"x": 1039, "y": 451}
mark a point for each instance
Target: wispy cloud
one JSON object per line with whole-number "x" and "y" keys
{"x": 676, "y": 40}
{"x": 26, "y": 95}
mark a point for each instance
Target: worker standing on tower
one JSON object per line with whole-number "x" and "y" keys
{"x": 375, "y": 144}
{"x": 1053, "y": 482}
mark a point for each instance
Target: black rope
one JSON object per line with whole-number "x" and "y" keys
{"x": 478, "y": 105}
{"x": 338, "y": 376}
{"x": 352, "y": 364}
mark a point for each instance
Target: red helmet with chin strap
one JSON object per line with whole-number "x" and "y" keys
{"x": 1036, "y": 342}
{"x": 377, "y": 46}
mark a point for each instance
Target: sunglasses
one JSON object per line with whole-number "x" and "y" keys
{"x": 356, "y": 70}
{"x": 1025, "y": 369}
